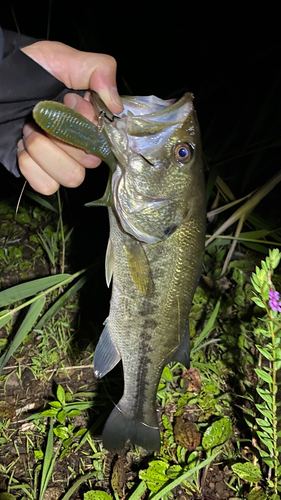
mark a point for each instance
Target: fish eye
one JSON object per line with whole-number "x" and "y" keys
{"x": 183, "y": 152}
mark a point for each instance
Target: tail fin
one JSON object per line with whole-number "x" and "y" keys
{"x": 119, "y": 429}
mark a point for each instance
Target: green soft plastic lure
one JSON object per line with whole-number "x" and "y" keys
{"x": 69, "y": 126}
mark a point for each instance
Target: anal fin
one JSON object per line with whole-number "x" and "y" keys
{"x": 106, "y": 354}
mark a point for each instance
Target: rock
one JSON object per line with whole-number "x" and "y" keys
{"x": 13, "y": 381}
{"x": 53, "y": 493}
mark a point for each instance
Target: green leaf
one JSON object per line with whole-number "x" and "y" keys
{"x": 264, "y": 411}
{"x": 24, "y": 290}
{"x": 155, "y": 476}
{"x": 257, "y": 493}
{"x": 80, "y": 433}
{"x": 277, "y": 358}
{"x": 167, "y": 374}
{"x": 256, "y": 286}
{"x": 73, "y": 413}
{"x": 265, "y": 395}
{"x": 217, "y": 433}
{"x": 268, "y": 460}
{"x": 258, "y": 302}
{"x": 96, "y": 495}
{"x": 264, "y": 291}
{"x": 38, "y": 454}
{"x": 247, "y": 471}
{"x": 7, "y": 496}
{"x": 61, "y": 416}
{"x": 265, "y": 425}
{"x": 61, "y": 431}
{"x": 265, "y": 352}
{"x": 48, "y": 413}
{"x": 55, "y": 404}
{"x": 264, "y": 375}
{"x": 266, "y": 441}
{"x": 61, "y": 394}
{"x": 27, "y": 324}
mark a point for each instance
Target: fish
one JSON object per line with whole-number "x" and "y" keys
{"x": 156, "y": 205}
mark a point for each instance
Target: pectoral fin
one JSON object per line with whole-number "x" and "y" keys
{"x": 139, "y": 266}
{"x": 106, "y": 354}
{"x": 109, "y": 263}
{"x": 105, "y": 200}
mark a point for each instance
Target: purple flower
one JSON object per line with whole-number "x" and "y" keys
{"x": 274, "y": 300}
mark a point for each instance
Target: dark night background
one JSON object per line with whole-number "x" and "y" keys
{"x": 228, "y": 57}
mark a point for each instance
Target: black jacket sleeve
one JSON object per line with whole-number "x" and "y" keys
{"x": 23, "y": 83}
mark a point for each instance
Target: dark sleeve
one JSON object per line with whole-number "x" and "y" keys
{"x": 23, "y": 83}
{"x": 1, "y": 44}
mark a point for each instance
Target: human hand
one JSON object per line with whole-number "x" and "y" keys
{"x": 43, "y": 160}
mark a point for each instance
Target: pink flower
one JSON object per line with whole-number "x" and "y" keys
{"x": 274, "y": 300}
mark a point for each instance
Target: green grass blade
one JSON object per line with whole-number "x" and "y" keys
{"x": 218, "y": 210}
{"x": 92, "y": 429}
{"x": 40, "y": 200}
{"x": 54, "y": 309}
{"x": 208, "y": 327}
{"x": 78, "y": 483}
{"x": 139, "y": 491}
{"x": 212, "y": 341}
{"x": 48, "y": 246}
{"x": 247, "y": 207}
{"x": 47, "y": 461}
{"x": 24, "y": 290}
{"x": 27, "y": 324}
{"x": 183, "y": 477}
{"x": 5, "y": 317}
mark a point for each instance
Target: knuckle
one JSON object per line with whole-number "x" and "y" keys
{"x": 109, "y": 61}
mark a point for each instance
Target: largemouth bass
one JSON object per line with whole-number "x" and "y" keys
{"x": 155, "y": 199}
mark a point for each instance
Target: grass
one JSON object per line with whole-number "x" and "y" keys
{"x": 227, "y": 338}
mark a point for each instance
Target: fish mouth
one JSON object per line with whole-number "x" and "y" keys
{"x": 144, "y": 127}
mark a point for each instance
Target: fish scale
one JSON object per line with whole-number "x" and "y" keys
{"x": 156, "y": 204}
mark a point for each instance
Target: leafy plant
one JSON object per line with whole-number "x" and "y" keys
{"x": 268, "y": 337}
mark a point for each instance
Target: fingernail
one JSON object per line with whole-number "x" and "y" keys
{"x": 20, "y": 146}
{"x": 115, "y": 97}
{"x": 71, "y": 101}
{"x": 27, "y": 129}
